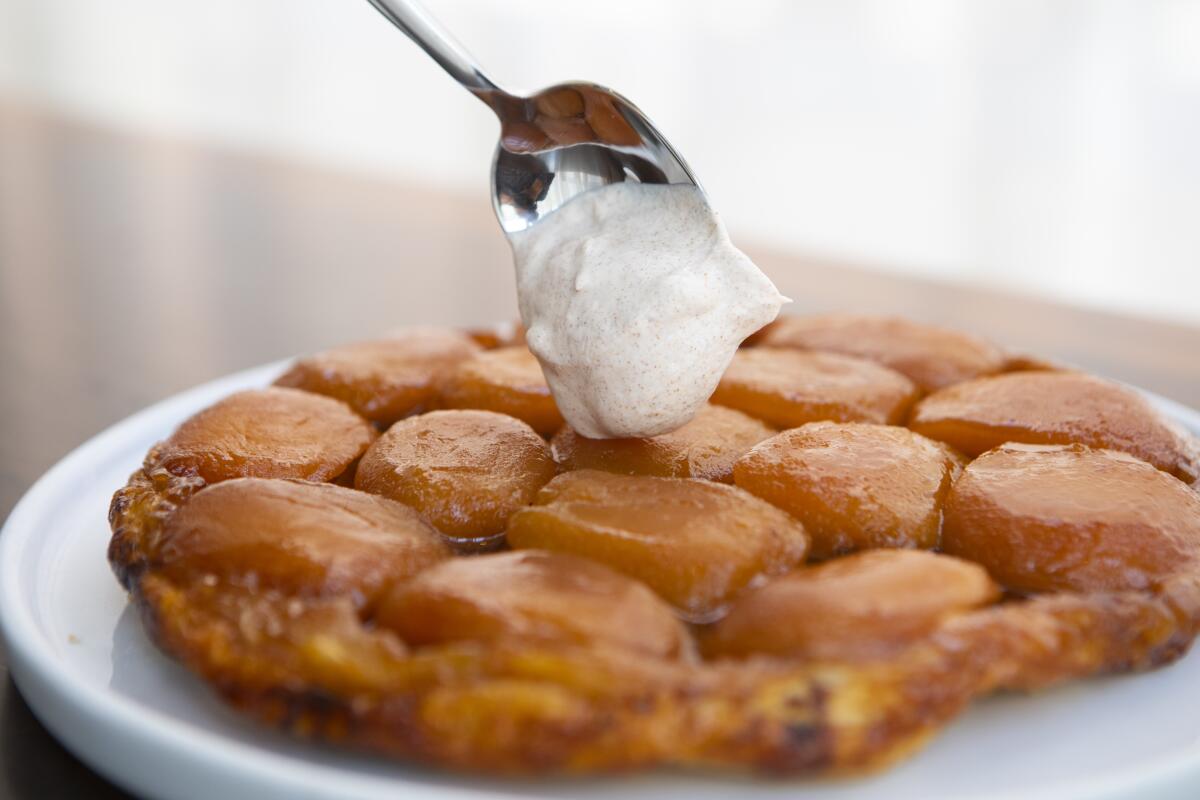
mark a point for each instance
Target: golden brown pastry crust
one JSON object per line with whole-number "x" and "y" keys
{"x": 528, "y": 709}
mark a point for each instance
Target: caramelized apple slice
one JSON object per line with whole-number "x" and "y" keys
{"x": 1055, "y": 408}
{"x": 704, "y": 448}
{"x": 535, "y": 596}
{"x": 1045, "y": 518}
{"x": 303, "y": 539}
{"x": 385, "y": 379}
{"x": 508, "y": 380}
{"x": 932, "y": 357}
{"x": 787, "y": 388}
{"x": 268, "y": 433}
{"x": 694, "y": 542}
{"x": 858, "y": 608}
{"x": 855, "y": 486}
{"x": 465, "y": 471}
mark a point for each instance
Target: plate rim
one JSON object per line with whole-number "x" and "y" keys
{"x": 55, "y": 695}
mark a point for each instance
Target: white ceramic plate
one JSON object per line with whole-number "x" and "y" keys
{"x": 81, "y": 660}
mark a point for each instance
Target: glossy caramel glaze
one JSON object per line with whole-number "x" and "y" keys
{"x": 537, "y": 663}
{"x": 931, "y": 356}
{"x": 465, "y": 471}
{"x": 1055, "y": 408}
{"x": 508, "y": 380}
{"x": 385, "y": 379}
{"x": 696, "y": 543}
{"x": 787, "y": 388}
{"x": 704, "y": 448}
{"x": 1070, "y": 518}
{"x": 862, "y": 607}
{"x": 302, "y": 539}
{"x": 855, "y": 486}
{"x": 532, "y": 596}
{"x": 269, "y": 433}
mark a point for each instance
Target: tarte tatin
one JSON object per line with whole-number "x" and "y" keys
{"x": 400, "y": 548}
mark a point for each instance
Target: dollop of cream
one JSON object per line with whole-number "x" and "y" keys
{"x": 635, "y": 301}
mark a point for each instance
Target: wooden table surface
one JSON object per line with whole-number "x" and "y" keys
{"x": 132, "y": 267}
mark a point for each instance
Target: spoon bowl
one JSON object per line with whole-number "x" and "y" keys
{"x": 569, "y": 139}
{"x": 562, "y": 141}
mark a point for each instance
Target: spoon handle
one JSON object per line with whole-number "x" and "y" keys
{"x": 427, "y": 32}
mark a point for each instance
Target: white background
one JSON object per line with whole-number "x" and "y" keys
{"x": 1051, "y": 146}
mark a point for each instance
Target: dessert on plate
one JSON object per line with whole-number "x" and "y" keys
{"x": 401, "y": 547}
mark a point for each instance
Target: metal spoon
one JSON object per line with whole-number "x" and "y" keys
{"x": 554, "y": 144}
